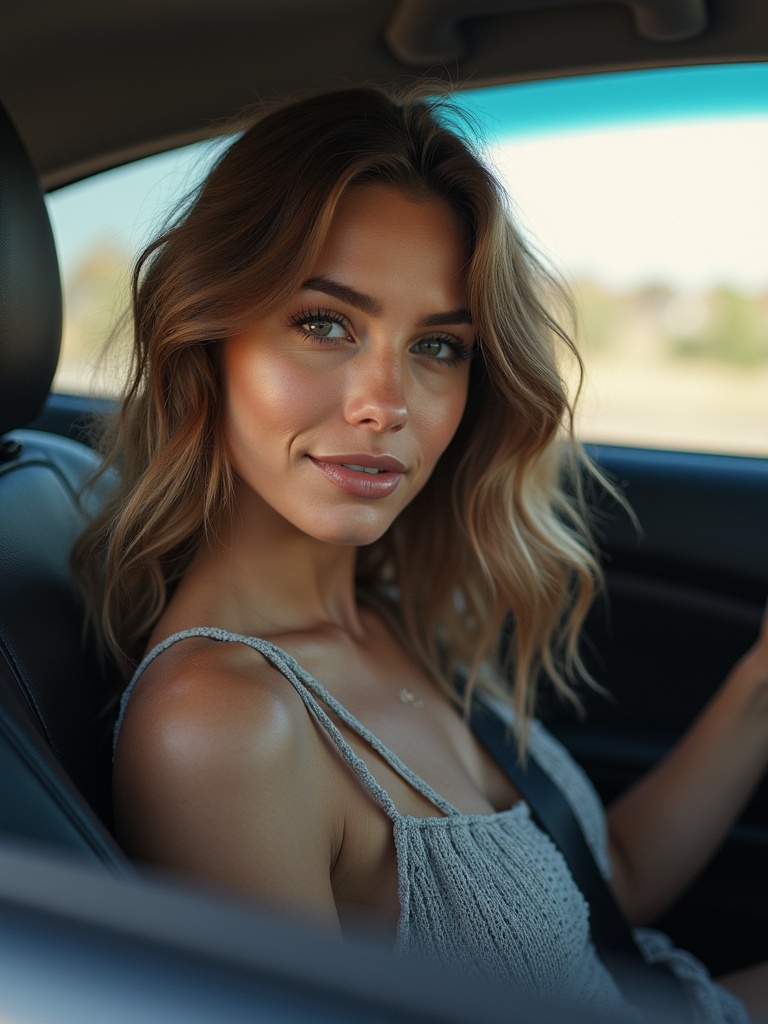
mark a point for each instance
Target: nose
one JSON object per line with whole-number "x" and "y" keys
{"x": 376, "y": 393}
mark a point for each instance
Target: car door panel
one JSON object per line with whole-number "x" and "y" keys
{"x": 684, "y": 599}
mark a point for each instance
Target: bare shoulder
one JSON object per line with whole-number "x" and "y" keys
{"x": 201, "y": 695}
{"x": 220, "y": 771}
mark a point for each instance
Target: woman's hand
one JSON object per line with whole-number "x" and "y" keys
{"x": 753, "y": 666}
{"x": 667, "y": 826}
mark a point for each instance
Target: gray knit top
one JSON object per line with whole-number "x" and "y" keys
{"x": 491, "y": 893}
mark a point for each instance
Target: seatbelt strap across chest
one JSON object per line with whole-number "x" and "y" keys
{"x": 640, "y": 982}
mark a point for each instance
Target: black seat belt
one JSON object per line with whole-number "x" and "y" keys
{"x": 651, "y": 987}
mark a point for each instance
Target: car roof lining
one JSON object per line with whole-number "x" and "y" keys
{"x": 173, "y": 71}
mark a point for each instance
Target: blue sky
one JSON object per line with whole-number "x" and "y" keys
{"x": 533, "y": 108}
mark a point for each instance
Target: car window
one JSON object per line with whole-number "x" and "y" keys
{"x": 644, "y": 190}
{"x": 101, "y": 224}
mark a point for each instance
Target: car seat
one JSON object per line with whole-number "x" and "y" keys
{"x": 54, "y": 771}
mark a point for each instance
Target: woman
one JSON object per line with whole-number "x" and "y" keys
{"x": 345, "y": 456}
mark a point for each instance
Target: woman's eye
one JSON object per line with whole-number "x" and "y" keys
{"x": 324, "y": 328}
{"x": 440, "y": 349}
{"x": 432, "y": 347}
{"x": 321, "y": 323}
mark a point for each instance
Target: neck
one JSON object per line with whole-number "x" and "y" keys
{"x": 259, "y": 575}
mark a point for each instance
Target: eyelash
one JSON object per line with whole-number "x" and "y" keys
{"x": 306, "y": 316}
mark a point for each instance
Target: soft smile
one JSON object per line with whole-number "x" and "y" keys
{"x": 362, "y": 475}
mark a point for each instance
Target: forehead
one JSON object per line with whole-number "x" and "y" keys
{"x": 383, "y": 238}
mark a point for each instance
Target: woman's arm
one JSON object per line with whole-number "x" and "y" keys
{"x": 668, "y": 825}
{"x": 216, "y": 776}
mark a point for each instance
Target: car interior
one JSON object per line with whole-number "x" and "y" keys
{"x": 89, "y": 87}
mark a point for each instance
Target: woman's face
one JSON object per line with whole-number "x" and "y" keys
{"x": 339, "y": 404}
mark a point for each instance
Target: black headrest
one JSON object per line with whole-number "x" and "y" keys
{"x": 30, "y": 287}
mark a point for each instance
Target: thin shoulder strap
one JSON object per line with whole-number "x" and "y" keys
{"x": 370, "y": 738}
{"x": 309, "y": 690}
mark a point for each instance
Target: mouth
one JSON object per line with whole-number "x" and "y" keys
{"x": 364, "y": 462}
{"x": 363, "y": 469}
{"x": 362, "y": 475}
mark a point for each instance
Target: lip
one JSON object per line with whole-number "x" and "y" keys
{"x": 361, "y": 484}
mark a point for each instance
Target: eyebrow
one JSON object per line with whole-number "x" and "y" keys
{"x": 367, "y": 304}
{"x": 346, "y": 294}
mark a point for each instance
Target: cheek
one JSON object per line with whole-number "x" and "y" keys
{"x": 264, "y": 394}
{"x": 440, "y": 424}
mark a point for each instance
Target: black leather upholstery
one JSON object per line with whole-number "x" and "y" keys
{"x": 54, "y": 766}
{"x": 30, "y": 292}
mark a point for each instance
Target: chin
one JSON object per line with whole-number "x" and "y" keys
{"x": 350, "y": 534}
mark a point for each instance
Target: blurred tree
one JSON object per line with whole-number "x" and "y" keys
{"x": 96, "y": 296}
{"x": 599, "y": 317}
{"x": 736, "y": 331}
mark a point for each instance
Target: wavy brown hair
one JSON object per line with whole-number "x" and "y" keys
{"x": 497, "y": 541}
